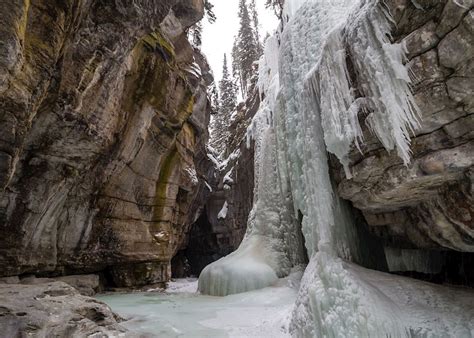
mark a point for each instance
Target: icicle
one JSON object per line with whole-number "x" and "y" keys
{"x": 379, "y": 65}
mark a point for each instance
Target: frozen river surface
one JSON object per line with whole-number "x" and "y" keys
{"x": 182, "y": 312}
{"x": 413, "y": 308}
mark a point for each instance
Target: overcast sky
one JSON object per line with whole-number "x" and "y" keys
{"x": 218, "y": 37}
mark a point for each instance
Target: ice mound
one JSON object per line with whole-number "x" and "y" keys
{"x": 243, "y": 270}
{"x": 341, "y": 299}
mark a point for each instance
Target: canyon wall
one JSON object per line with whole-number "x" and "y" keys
{"x": 428, "y": 203}
{"x": 217, "y": 233}
{"x": 103, "y": 125}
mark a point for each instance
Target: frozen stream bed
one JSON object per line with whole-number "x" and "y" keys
{"x": 416, "y": 308}
{"x": 181, "y": 311}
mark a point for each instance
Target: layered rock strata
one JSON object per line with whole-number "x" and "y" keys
{"x": 103, "y": 125}
{"x": 427, "y": 204}
{"x": 231, "y": 185}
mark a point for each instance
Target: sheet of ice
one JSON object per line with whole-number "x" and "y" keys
{"x": 181, "y": 312}
{"x": 318, "y": 113}
{"x": 369, "y": 303}
{"x": 298, "y": 125}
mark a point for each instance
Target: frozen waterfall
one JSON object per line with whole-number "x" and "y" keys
{"x": 310, "y": 108}
{"x": 272, "y": 244}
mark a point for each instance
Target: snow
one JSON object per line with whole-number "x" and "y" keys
{"x": 182, "y": 312}
{"x": 194, "y": 69}
{"x": 223, "y": 212}
{"x": 233, "y": 156}
{"x": 191, "y": 172}
{"x": 341, "y": 299}
{"x": 208, "y": 186}
{"x": 214, "y": 160}
{"x": 182, "y": 285}
{"x": 227, "y": 177}
{"x": 350, "y": 297}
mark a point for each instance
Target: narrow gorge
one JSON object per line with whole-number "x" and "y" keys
{"x": 334, "y": 200}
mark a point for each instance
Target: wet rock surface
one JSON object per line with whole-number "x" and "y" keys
{"x": 103, "y": 125}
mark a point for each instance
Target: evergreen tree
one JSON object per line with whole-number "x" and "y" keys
{"x": 213, "y": 96}
{"x": 247, "y": 47}
{"x": 195, "y": 32}
{"x": 236, "y": 63}
{"x": 209, "y": 8}
{"x": 227, "y": 104}
{"x": 253, "y": 10}
{"x": 228, "y": 96}
{"x": 277, "y": 6}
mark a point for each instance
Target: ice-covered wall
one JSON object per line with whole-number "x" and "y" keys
{"x": 292, "y": 174}
{"x": 273, "y": 243}
{"x": 312, "y": 107}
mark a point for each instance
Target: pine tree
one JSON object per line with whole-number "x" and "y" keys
{"x": 209, "y": 8}
{"x": 253, "y": 10}
{"x": 247, "y": 47}
{"x": 236, "y": 71}
{"x": 213, "y": 96}
{"x": 227, "y": 104}
{"x": 195, "y": 32}
{"x": 277, "y": 6}
{"x": 228, "y": 97}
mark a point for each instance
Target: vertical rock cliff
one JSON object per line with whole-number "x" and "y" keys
{"x": 222, "y": 225}
{"x": 103, "y": 125}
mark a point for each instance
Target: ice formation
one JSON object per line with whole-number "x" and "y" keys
{"x": 310, "y": 107}
{"x": 272, "y": 244}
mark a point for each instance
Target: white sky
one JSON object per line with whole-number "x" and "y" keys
{"x": 218, "y": 37}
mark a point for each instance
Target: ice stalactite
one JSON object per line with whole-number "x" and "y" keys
{"x": 384, "y": 85}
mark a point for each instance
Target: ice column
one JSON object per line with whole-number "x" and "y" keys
{"x": 272, "y": 244}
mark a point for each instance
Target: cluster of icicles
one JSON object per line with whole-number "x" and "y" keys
{"x": 309, "y": 108}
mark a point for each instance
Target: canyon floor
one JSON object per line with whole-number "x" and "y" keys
{"x": 182, "y": 312}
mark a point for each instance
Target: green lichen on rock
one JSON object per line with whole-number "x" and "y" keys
{"x": 157, "y": 42}
{"x": 147, "y": 81}
{"x": 166, "y": 170}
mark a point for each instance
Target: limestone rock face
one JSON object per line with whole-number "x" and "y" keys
{"x": 214, "y": 236}
{"x": 54, "y": 310}
{"x": 103, "y": 122}
{"x": 427, "y": 204}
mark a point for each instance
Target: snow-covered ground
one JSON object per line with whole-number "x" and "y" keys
{"x": 427, "y": 310}
{"x": 182, "y": 312}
